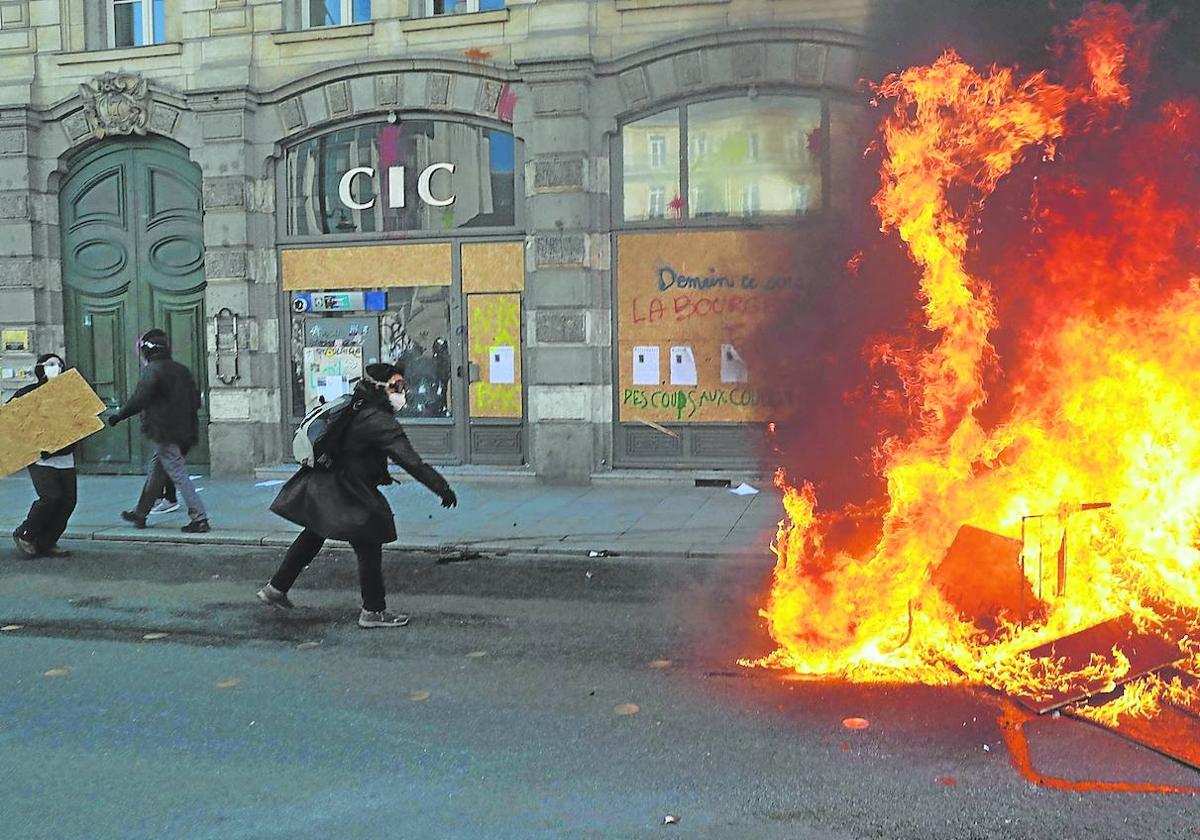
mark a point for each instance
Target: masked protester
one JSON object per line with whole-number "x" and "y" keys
{"x": 167, "y": 398}
{"x": 169, "y": 501}
{"x": 344, "y": 503}
{"x": 54, "y": 481}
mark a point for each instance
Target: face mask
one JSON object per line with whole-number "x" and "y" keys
{"x": 398, "y": 401}
{"x": 52, "y": 369}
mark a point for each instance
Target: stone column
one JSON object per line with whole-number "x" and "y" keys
{"x": 567, "y": 302}
{"x": 239, "y": 267}
{"x": 25, "y": 302}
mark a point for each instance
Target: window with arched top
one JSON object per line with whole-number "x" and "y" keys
{"x": 414, "y": 175}
{"x": 730, "y": 159}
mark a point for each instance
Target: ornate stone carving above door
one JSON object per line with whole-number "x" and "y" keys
{"x": 117, "y": 104}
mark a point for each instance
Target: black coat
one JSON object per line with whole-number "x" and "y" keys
{"x": 167, "y": 398}
{"x": 344, "y": 503}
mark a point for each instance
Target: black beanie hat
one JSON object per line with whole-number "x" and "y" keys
{"x": 379, "y": 373}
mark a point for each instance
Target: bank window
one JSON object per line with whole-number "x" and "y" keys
{"x": 755, "y": 173}
{"x": 416, "y": 175}
{"x": 459, "y": 7}
{"x": 750, "y": 198}
{"x": 731, "y": 172}
{"x": 650, "y": 161}
{"x": 319, "y": 13}
{"x": 137, "y": 23}
{"x": 337, "y": 333}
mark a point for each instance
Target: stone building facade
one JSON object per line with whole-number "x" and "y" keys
{"x": 188, "y": 164}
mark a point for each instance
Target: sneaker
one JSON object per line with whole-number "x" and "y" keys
{"x": 56, "y": 551}
{"x": 164, "y": 506}
{"x": 133, "y": 516}
{"x": 272, "y": 597}
{"x": 199, "y": 526}
{"x": 369, "y": 619}
{"x": 27, "y": 548}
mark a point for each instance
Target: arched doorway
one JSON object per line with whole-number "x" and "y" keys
{"x": 131, "y": 216}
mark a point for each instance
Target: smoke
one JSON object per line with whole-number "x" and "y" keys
{"x": 847, "y": 345}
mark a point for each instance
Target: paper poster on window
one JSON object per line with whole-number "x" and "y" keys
{"x": 733, "y": 367}
{"x": 683, "y": 366}
{"x": 501, "y": 365}
{"x": 330, "y": 372}
{"x": 646, "y": 370}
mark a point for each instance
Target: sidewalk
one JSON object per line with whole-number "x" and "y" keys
{"x": 634, "y": 519}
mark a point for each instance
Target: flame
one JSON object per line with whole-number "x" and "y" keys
{"x": 1104, "y": 407}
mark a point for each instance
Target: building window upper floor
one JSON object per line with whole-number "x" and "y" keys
{"x": 136, "y": 23}
{"x": 317, "y": 13}
{"x": 457, "y": 7}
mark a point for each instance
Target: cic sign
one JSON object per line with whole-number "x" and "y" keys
{"x": 395, "y": 176}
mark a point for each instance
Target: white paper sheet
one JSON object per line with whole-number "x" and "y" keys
{"x": 733, "y": 367}
{"x": 331, "y": 387}
{"x": 683, "y": 366}
{"x": 502, "y": 365}
{"x": 744, "y": 489}
{"x": 646, "y": 369}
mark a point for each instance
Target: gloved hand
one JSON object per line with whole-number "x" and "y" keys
{"x": 45, "y": 455}
{"x": 113, "y": 420}
{"x": 449, "y": 500}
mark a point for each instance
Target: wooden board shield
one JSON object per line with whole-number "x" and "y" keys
{"x": 61, "y": 412}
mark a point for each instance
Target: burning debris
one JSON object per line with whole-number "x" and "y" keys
{"x": 974, "y": 567}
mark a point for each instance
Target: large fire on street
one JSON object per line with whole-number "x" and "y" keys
{"x": 1035, "y": 495}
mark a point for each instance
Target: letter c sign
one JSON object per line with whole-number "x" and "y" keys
{"x": 395, "y": 186}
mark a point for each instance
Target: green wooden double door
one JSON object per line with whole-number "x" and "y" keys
{"x": 133, "y": 258}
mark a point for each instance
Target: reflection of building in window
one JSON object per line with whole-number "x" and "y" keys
{"x": 732, "y": 171}
{"x": 658, "y": 151}
{"x": 483, "y": 182}
{"x": 639, "y": 171}
{"x": 750, "y": 202}
{"x": 795, "y": 145}
{"x": 657, "y": 203}
{"x": 800, "y": 197}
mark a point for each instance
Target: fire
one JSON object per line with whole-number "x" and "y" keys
{"x": 1104, "y": 403}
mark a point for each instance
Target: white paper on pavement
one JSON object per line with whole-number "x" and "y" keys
{"x": 683, "y": 365}
{"x": 646, "y": 369}
{"x": 743, "y": 489}
{"x": 502, "y": 365}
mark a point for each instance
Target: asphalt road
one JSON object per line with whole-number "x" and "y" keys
{"x": 494, "y": 715}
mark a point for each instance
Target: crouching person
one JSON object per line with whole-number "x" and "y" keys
{"x": 53, "y": 480}
{"x": 344, "y": 502}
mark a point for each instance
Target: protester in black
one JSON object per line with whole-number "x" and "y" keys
{"x": 54, "y": 480}
{"x": 167, "y": 398}
{"x": 344, "y": 502}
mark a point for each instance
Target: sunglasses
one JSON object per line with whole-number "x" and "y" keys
{"x": 396, "y": 387}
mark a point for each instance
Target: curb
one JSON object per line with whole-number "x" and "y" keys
{"x": 551, "y": 549}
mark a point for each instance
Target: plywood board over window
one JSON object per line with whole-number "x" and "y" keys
{"x": 493, "y": 267}
{"x": 689, "y": 304}
{"x": 366, "y": 266}
{"x": 494, "y": 339}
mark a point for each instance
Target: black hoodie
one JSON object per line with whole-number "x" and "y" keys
{"x": 39, "y": 371}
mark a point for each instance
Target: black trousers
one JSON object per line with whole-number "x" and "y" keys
{"x": 370, "y": 568}
{"x": 47, "y": 518}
